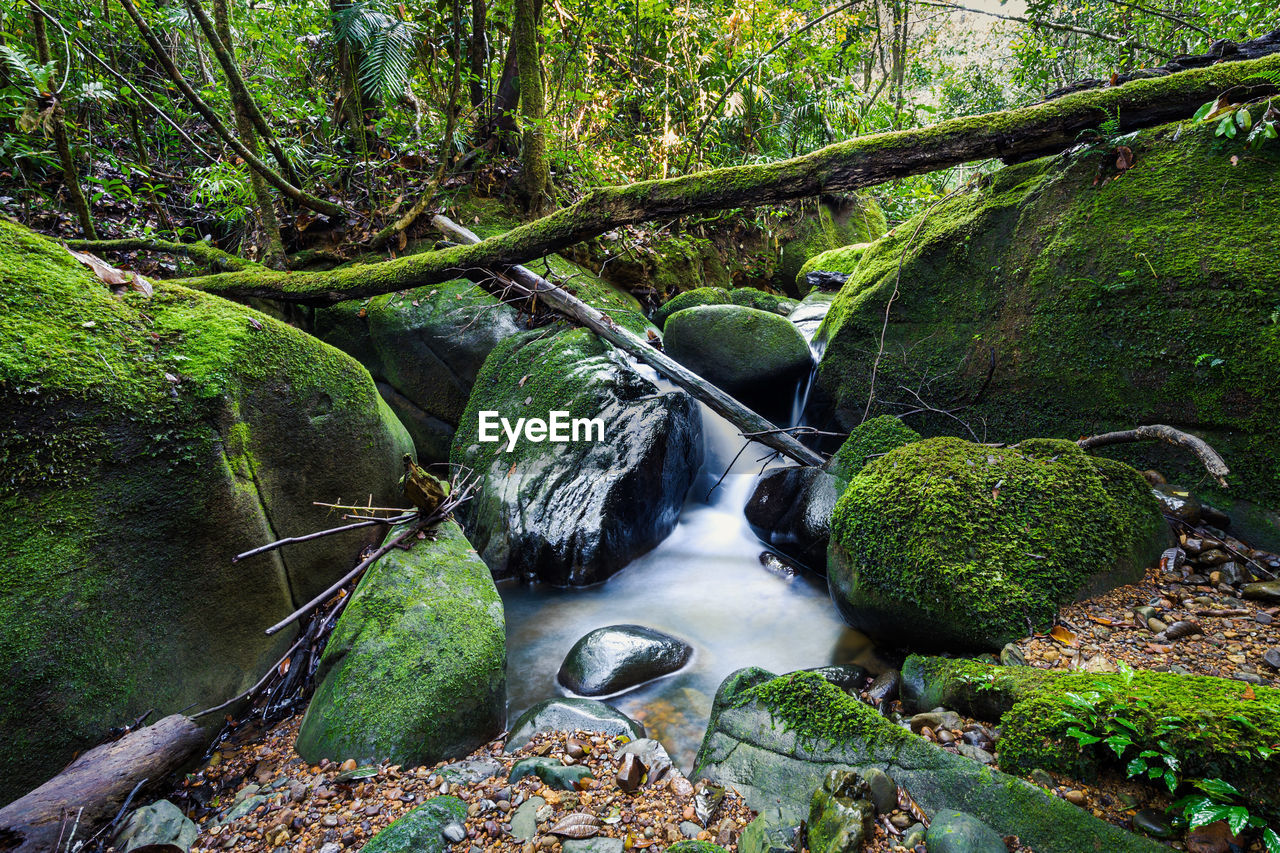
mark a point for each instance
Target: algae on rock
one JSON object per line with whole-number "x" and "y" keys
{"x": 148, "y": 441}
{"x": 947, "y": 543}
{"x": 415, "y": 671}
{"x": 1144, "y": 297}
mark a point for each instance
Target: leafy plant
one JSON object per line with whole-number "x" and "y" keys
{"x": 387, "y": 45}
{"x": 1220, "y": 801}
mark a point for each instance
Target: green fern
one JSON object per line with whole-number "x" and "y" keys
{"x": 387, "y": 44}
{"x": 25, "y": 72}
{"x": 1272, "y": 76}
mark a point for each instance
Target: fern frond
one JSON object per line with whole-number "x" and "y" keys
{"x": 384, "y": 70}
{"x": 25, "y": 71}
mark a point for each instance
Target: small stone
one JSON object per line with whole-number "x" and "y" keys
{"x": 1042, "y": 778}
{"x": 1271, "y": 657}
{"x": 681, "y": 787}
{"x": 454, "y": 832}
{"x": 1156, "y": 626}
{"x": 1268, "y": 591}
{"x": 348, "y": 765}
{"x": 1076, "y": 798}
{"x": 689, "y": 829}
{"x": 630, "y": 773}
{"x": 1153, "y": 822}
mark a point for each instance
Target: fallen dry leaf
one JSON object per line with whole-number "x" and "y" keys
{"x": 1063, "y": 635}
{"x": 118, "y": 279}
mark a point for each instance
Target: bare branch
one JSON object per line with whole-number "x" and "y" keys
{"x": 1209, "y": 457}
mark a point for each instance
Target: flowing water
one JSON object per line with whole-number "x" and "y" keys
{"x": 705, "y": 584}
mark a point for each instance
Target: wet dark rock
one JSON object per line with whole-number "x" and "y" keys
{"x": 775, "y": 565}
{"x": 570, "y": 714}
{"x": 1153, "y": 822}
{"x": 1179, "y": 503}
{"x": 1272, "y": 658}
{"x": 848, "y": 677}
{"x": 882, "y": 789}
{"x": 619, "y": 657}
{"x": 822, "y": 280}
{"x": 1011, "y": 655}
{"x": 573, "y": 513}
{"x": 885, "y": 687}
{"x": 957, "y": 832}
{"x": 790, "y": 510}
{"x": 630, "y": 771}
{"x": 1266, "y": 591}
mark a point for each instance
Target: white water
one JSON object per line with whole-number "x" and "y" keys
{"x": 703, "y": 583}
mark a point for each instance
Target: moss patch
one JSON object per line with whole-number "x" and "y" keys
{"x": 868, "y": 440}
{"x": 820, "y": 713}
{"x": 1102, "y": 300}
{"x": 945, "y": 541}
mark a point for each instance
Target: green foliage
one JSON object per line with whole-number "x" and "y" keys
{"x": 386, "y": 43}
{"x": 1216, "y": 800}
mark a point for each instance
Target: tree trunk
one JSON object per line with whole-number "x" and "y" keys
{"x": 1012, "y": 135}
{"x": 93, "y": 787}
{"x": 535, "y": 177}
{"x": 478, "y": 55}
{"x": 220, "y": 39}
{"x": 500, "y": 126}
{"x": 70, "y": 173}
{"x": 530, "y": 285}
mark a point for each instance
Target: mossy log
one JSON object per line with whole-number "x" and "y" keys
{"x": 1015, "y": 134}
{"x": 530, "y": 285}
{"x": 201, "y": 253}
{"x": 92, "y": 788}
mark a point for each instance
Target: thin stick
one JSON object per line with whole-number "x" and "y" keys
{"x": 289, "y": 540}
{"x": 324, "y": 596}
{"x": 270, "y": 671}
{"x": 359, "y": 507}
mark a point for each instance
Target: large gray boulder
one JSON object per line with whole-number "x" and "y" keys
{"x": 146, "y": 441}
{"x": 775, "y": 739}
{"x": 575, "y": 512}
{"x": 415, "y": 671}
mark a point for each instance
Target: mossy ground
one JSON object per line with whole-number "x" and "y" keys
{"x": 1102, "y": 300}
{"x": 983, "y": 542}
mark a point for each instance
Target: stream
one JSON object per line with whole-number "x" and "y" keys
{"x": 704, "y": 583}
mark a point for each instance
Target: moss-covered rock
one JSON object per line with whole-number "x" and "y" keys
{"x": 575, "y": 512}
{"x": 690, "y": 299}
{"x": 424, "y": 348}
{"x": 947, "y": 543}
{"x": 1215, "y": 727}
{"x": 1096, "y": 300}
{"x": 754, "y": 355}
{"x": 421, "y": 830}
{"x": 837, "y": 222}
{"x": 761, "y": 300}
{"x": 415, "y": 671}
{"x": 776, "y": 738}
{"x": 842, "y": 261}
{"x": 146, "y": 442}
{"x": 869, "y": 440}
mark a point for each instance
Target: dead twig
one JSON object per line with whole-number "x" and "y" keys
{"x": 1209, "y": 457}
{"x": 289, "y": 540}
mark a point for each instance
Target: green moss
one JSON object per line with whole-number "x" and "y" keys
{"x": 420, "y": 830}
{"x": 1093, "y": 305}
{"x": 690, "y": 299}
{"x": 975, "y": 544}
{"x": 851, "y": 219}
{"x": 843, "y": 260}
{"x": 819, "y": 712}
{"x": 760, "y": 300}
{"x": 868, "y": 440}
{"x": 693, "y": 846}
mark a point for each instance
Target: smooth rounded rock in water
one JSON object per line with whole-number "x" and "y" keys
{"x": 957, "y": 832}
{"x": 571, "y": 714}
{"x": 619, "y": 657}
{"x": 751, "y": 354}
{"x": 790, "y": 510}
{"x": 422, "y": 830}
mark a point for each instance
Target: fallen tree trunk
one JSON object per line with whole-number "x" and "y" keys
{"x": 199, "y": 252}
{"x": 862, "y": 162}
{"x": 90, "y": 791}
{"x": 531, "y": 285}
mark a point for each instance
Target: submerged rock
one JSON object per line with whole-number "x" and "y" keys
{"x": 1090, "y": 305}
{"x": 771, "y": 737}
{"x": 573, "y": 513}
{"x": 752, "y": 354}
{"x": 146, "y": 441}
{"x": 790, "y": 510}
{"x": 948, "y": 543}
{"x": 619, "y": 657}
{"x": 571, "y": 714}
{"x": 415, "y": 670}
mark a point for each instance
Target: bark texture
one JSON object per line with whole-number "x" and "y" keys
{"x": 1012, "y": 135}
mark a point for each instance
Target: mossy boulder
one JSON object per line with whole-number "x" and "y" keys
{"x": 943, "y": 542}
{"x": 776, "y": 738}
{"x": 867, "y": 441}
{"x": 659, "y": 265}
{"x": 415, "y": 670}
{"x": 838, "y": 221}
{"x": 575, "y": 512}
{"x": 1094, "y": 300}
{"x": 146, "y": 442}
{"x": 754, "y": 297}
{"x": 752, "y": 354}
{"x": 690, "y": 299}
{"x": 837, "y": 264}
{"x": 1222, "y": 728}
{"x": 421, "y": 830}
{"x": 424, "y": 348}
